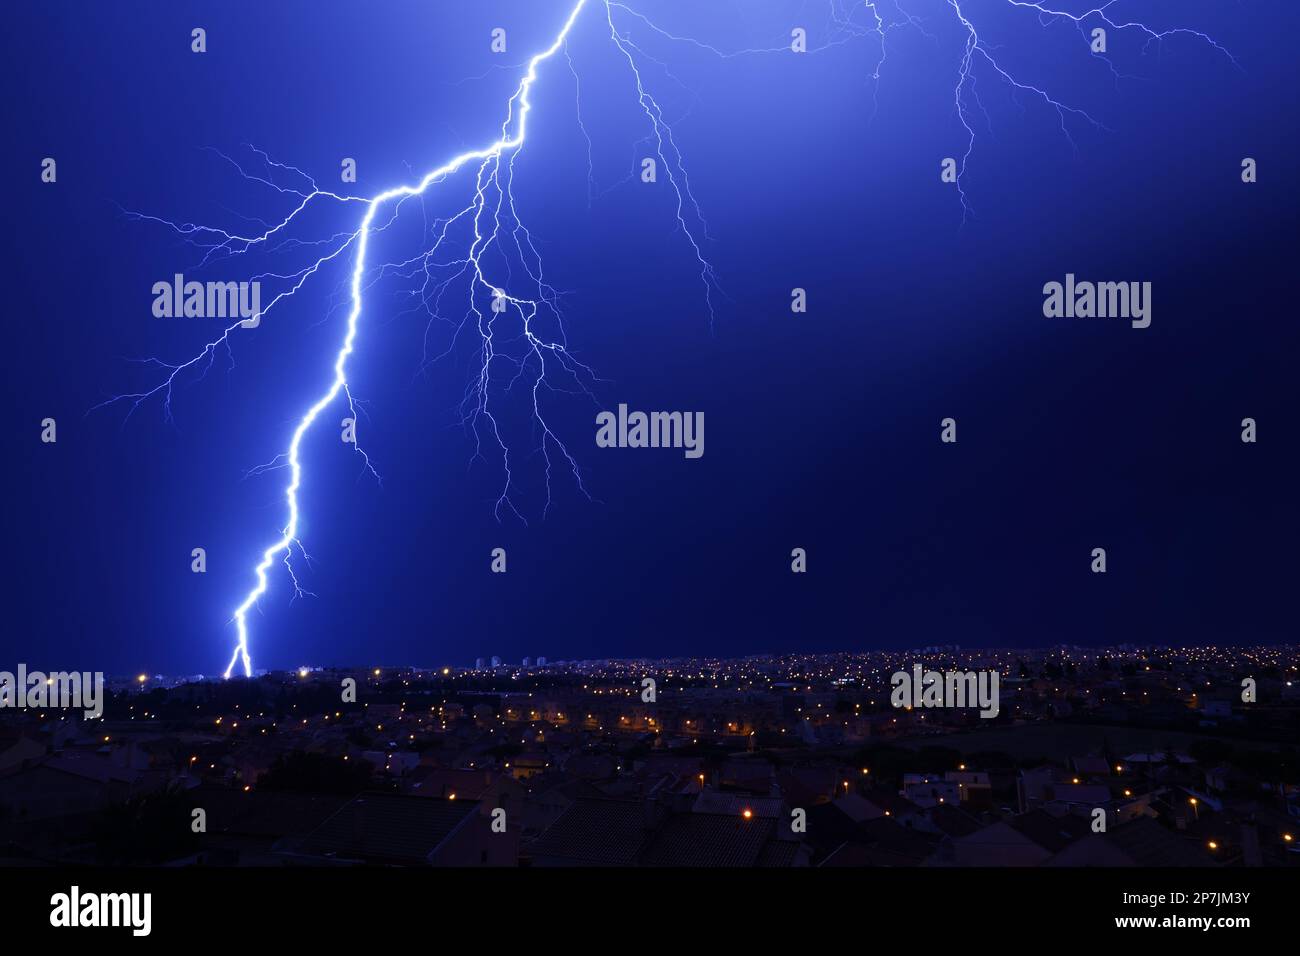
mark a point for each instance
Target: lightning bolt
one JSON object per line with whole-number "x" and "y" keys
{"x": 492, "y": 227}
{"x": 519, "y": 107}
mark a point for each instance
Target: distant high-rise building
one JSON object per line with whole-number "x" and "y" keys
{"x": 496, "y": 661}
{"x": 478, "y": 663}
{"x": 528, "y": 662}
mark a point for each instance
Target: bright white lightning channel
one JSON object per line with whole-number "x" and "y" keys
{"x": 503, "y": 144}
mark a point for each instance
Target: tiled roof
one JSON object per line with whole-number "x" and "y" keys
{"x": 265, "y": 813}
{"x": 879, "y": 854}
{"x": 734, "y": 804}
{"x": 1094, "y": 765}
{"x": 952, "y": 821}
{"x": 608, "y": 832}
{"x": 387, "y": 828}
{"x": 1148, "y": 843}
{"x": 828, "y": 826}
{"x": 888, "y": 800}
{"x": 897, "y": 845}
{"x": 778, "y": 853}
{"x": 1049, "y": 832}
{"x": 92, "y": 768}
{"x": 442, "y": 781}
{"x": 706, "y": 839}
{"x": 857, "y": 808}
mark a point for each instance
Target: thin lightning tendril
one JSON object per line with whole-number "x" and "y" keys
{"x": 974, "y": 53}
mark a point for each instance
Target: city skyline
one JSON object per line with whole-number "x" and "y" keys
{"x": 1115, "y": 757}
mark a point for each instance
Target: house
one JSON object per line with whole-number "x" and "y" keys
{"x": 550, "y": 799}
{"x": 857, "y": 808}
{"x": 1140, "y": 843}
{"x": 884, "y": 842}
{"x": 753, "y": 776}
{"x": 808, "y": 786}
{"x": 593, "y": 766}
{"x": 948, "y": 820}
{"x": 20, "y": 753}
{"x": 61, "y": 785}
{"x": 642, "y": 833}
{"x": 884, "y": 803}
{"x": 446, "y": 783}
{"x": 529, "y": 764}
{"x": 244, "y": 828}
{"x": 739, "y": 805}
{"x": 1090, "y": 766}
{"x": 999, "y": 844}
{"x": 829, "y": 828}
{"x": 596, "y": 833}
{"x": 1053, "y": 832}
{"x": 399, "y": 830}
{"x": 927, "y": 790}
{"x": 720, "y": 840}
{"x": 973, "y": 788}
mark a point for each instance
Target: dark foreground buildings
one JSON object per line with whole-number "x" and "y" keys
{"x": 1114, "y": 757}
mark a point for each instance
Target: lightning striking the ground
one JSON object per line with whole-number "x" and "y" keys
{"x": 472, "y": 249}
{"x": 489, "y": 158}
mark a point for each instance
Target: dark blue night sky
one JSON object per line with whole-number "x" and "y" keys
{"x": 822, "y": 428}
